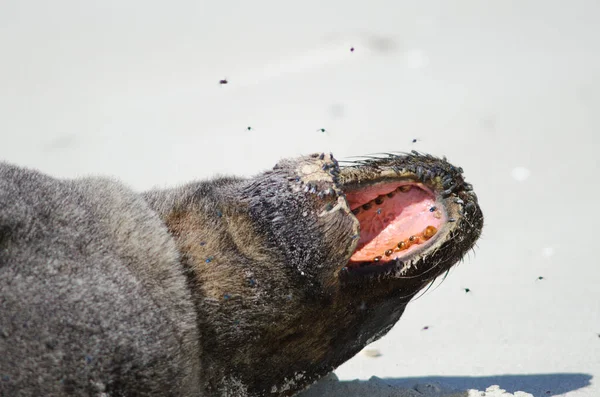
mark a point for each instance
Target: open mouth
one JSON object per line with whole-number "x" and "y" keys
{"x": 396, "y": 220}
{"x": 397, "y": 216}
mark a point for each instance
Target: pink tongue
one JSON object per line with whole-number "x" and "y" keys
{"x": 383, "y": 225}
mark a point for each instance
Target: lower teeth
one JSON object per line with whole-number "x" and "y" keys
{"x": 428, "y": 233}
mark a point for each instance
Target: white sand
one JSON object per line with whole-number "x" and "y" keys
{"x": 508, "y": 90}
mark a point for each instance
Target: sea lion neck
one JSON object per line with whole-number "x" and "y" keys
{"x": 293, "y": 216}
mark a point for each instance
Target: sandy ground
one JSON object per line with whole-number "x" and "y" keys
{"x": 509, "y": 90}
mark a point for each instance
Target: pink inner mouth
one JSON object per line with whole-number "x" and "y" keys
{"x": 395, "y": 220}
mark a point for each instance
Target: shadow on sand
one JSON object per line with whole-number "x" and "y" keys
{"x": 539, "y": 385}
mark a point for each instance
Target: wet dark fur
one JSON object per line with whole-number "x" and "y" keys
{"x": 229, "y": 287}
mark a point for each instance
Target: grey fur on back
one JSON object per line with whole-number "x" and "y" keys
{"x": 94, "y": 299}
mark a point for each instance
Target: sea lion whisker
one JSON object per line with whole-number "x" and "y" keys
{"x": 424, "y": 291}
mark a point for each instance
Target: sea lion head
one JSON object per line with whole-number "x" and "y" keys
{"x": 294, "y": 271}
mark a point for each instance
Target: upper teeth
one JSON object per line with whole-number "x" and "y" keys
{"x": 379, "y": 199}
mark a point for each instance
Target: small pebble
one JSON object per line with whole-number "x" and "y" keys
{"x": 373, "y": 353}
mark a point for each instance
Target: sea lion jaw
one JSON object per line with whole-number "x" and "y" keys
{"x": 418, "y": 216}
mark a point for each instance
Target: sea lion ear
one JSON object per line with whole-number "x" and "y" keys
{"x": 299, "y": 205}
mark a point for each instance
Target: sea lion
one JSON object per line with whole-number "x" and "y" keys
{"x": 227, "y": 287}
